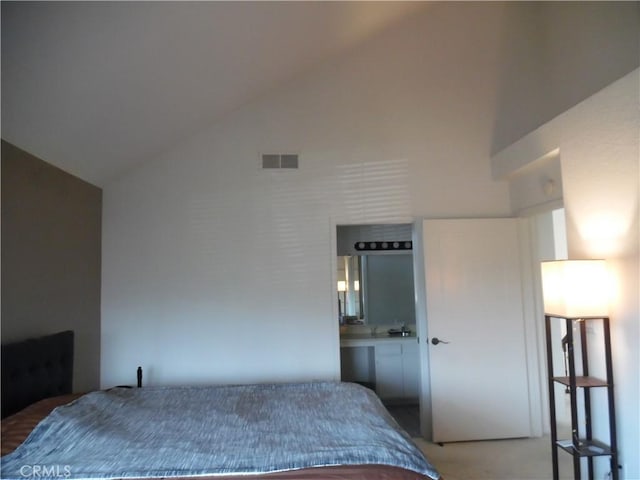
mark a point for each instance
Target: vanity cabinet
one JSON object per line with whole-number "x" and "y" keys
{"x": 390, "y": 365}
{"x": 411, "y": 370}
{"x": 357, "y": 364}
{"x": 397, "y": 370}
{"x": 389, "y": 377}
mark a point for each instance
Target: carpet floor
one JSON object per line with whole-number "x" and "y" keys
{"x": 407, "y": 416}
{"x": 513, "y": 459}
{"x": 518, "y": 459}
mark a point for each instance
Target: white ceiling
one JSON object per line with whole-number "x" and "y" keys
{"x": 97, "y": 87}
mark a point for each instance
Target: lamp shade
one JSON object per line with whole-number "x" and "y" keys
{"x": 576, "y": 288}
{"x": 342, "y": 286}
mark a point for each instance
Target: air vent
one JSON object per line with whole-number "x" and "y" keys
{"x": 279, "y": 160}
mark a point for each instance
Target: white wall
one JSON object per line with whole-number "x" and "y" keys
{"x": 558, "y": 54}
{"x": 547, "y": 234}
{"x": 217, "y": 271}
{"x": 599, "y": 151}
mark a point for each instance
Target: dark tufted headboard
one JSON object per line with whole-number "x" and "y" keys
{"x": 35, "y": 369}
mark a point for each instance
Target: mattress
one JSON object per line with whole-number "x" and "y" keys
{"x": 326, "y": 430}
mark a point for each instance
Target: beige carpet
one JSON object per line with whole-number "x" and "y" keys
{"x": 520, "y": 459}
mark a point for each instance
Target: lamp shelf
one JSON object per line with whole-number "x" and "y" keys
{"x": 582, "y": 382}
{"x": 585, "y": 448}
{"x": 577, "y": 292}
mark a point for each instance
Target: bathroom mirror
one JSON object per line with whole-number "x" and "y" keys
{"x": 350, "y": 301}
{"x": 376, "y": 289}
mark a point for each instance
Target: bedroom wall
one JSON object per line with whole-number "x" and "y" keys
{"x": 51, "y": 238}
{"x": 558, "y": 54}
{"x": 599, "y": 150}
{"x": 218, "y": 271}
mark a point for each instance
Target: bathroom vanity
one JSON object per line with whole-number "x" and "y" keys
{"x": 388, "y": 364}
{"x": 376, "y": 293}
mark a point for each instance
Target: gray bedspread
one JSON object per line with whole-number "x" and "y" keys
{"x": 193, "y": 431}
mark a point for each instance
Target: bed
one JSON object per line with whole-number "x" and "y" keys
{"x": 317, "y": 430}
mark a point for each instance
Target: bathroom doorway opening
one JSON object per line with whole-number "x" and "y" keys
{"x": 377, "y": 316}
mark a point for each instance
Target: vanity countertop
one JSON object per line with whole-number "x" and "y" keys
{"x": 369, "y": 340}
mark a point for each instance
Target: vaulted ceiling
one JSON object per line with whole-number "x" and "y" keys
{"x": 96, "y": 87}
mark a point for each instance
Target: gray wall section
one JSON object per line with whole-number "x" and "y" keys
{"x": 557, "y": 54}
{"x": 51, "y": 258}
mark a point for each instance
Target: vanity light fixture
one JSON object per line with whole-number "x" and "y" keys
{"x": 384, "y": 245}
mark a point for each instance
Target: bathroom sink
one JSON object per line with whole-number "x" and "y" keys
{"x": 394, "y": 332}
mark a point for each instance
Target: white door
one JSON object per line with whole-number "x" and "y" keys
{"x": 474, "y": 302}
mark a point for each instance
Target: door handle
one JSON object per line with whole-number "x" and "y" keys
{"x": 436, "y": 341}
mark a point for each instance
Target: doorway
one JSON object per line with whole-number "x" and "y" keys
{"x": 546, "y": 240}
{"x": 549, "y": 240}
{"x": 540, "y": 237}
{"x": 477, "y": 309}
{"x": 377, "y": 316}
